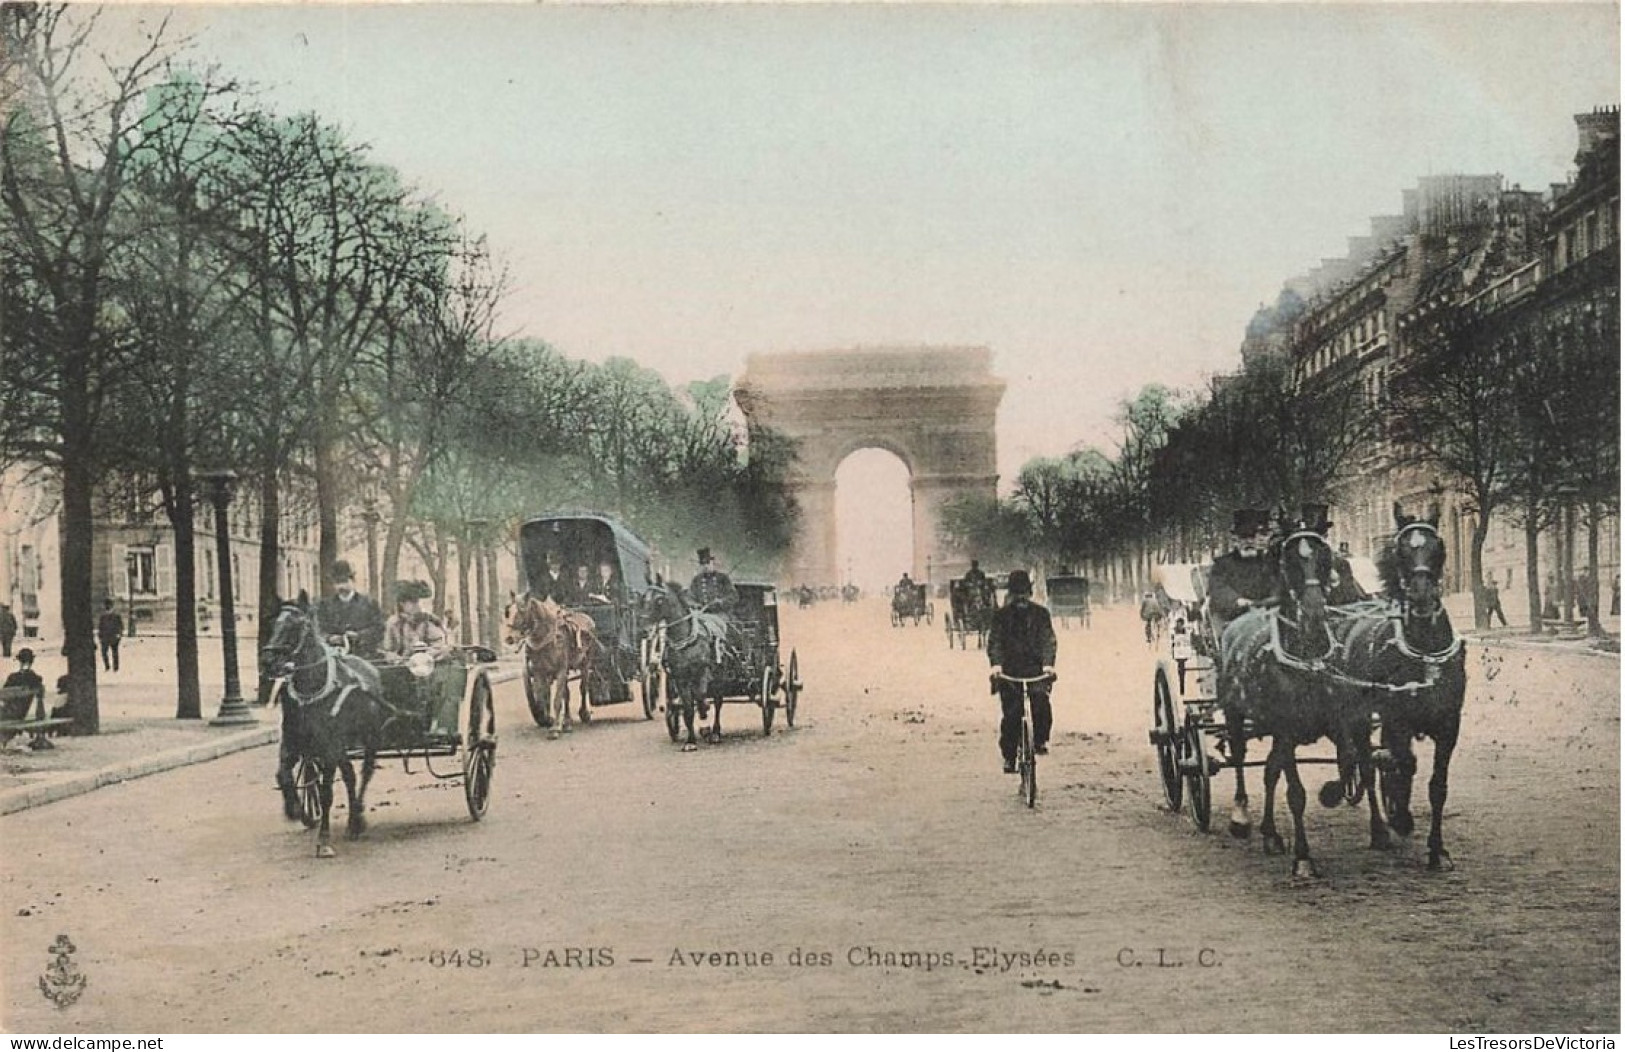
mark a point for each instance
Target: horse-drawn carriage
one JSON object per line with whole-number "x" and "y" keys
{"x": 911, "y": 602}
{"x": 600, "y": 643}
{"x": 1068, "y": 597}
{"x": 712, "y": 658}
{"x": 338, "y": 708}
{"x": 970, "y": 611}
{"x": 1296, "y": 670}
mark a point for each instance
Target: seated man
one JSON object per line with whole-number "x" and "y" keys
{"x": 1244, "y": 578}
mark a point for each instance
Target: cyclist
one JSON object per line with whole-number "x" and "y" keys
{"x": 1021, "y": 644}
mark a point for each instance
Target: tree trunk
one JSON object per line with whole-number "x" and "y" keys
{"x": 1593, "y": 582}
{"x": 1475, "y": 568}
{"x": 1531, "y": 570}
{"x": 188, "y": 693}
{"x": 1565, "y": 569}
{"x": 493, "y": 607}
{"x": 77, "y": 538}
{"x": 327, "y": 499}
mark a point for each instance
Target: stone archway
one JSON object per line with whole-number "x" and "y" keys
{"x": 934, "y": 407}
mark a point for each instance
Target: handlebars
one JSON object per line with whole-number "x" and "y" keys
{"x": 1047, "y": 677}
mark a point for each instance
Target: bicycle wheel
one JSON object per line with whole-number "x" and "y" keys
{"x": 1027, "y": 764}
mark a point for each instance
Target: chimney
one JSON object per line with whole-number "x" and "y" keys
{"x": 1595, "y": 127}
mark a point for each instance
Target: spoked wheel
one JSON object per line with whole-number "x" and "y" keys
{"x": 792, "y": 690}
{"x": 307, "y": 783}
{"x": 649, "y": 685}
{"x": 479, "y": 750}
{"x": 1199, "y": 778}
{"x": 1027, "y": 764}
{"x": 766, "y": 695}
{"x": 948, "y": 626}
{"x": 1165, "y": 737}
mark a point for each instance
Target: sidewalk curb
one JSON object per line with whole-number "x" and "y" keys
{"x": 15, "y": 800}
{"x": 1573, "y": 647}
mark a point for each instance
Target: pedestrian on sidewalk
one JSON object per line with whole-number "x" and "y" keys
{"x": 8, "y": 627}
{"x": 1492, "y": 604}
{"x": 110, "y": 630}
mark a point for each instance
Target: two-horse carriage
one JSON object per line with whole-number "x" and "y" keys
{"x": 713, "y": 658}
{"x": 593, "y": 636}
{"x": 339, "y": 708}
{"x": 911, "y": 602}
{"x": 1068, "y": 598}
{"x": 970, "y": 611}
{"x": 1297, "y": 670}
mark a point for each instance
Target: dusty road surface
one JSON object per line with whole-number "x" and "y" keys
{"x": 869, "y": 870}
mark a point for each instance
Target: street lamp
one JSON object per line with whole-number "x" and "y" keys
{"x": 234, "y": 711}
{"x": 475, "y": 538}
{"x": 371, "y": 518}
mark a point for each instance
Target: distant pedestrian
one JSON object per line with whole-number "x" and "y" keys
{"x": 8, "y": 627}
{"x": 1182, "y": 647}
{"x": 110, "y": 630}
{"x": 1492, "y": 604}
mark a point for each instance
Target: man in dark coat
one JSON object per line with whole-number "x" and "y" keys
{"x": 1245, "y": 577}
{"x": 110, "y": 630}
{"x": 349, "y": 618}
{"x": 8, "y": 629}
{"x": 1021, "y": 643}
{"x": 711, "y": 589}
{"x": 1344, "y": 588}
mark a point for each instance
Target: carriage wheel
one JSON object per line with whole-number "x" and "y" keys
{"x": 307, "y": 781}
{"x": 1201, "y": 780}
{"x": 766, "y": 696}
{"x": 649, "y": 684}
{"x": 1165, "y": 736}
{"x": 896, "y": 619}
{"x": 1027, "y": 764}
{"x": 948, "y": 627}
{"x": 792, "y": 690}
{"x": 930, "y": 613}
{"x": 480, "y": 750}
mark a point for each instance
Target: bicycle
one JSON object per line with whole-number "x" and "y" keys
{"x": 1026, "y": 756}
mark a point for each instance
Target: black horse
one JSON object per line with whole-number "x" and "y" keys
{"x": 697, "y": 644}
{"x": 1407, "y": 664}
{"x": 1273, "y": 673}
{"x": 331, "y": 703}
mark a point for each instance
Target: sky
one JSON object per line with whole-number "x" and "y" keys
{"x": 1102, "y": 194}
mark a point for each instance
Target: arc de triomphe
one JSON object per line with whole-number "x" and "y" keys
{"x": 934, "y": 407}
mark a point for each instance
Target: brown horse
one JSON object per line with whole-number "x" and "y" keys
{"x": 559, "y": 645}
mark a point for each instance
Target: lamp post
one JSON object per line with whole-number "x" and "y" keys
{"x": 482, "y": 605}
{"x": 234, "y": 711}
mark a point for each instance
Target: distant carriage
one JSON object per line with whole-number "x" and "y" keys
{"x": 970, "y": 612}
{"x": 911, "y": 602}
{"x": 1068, "y": 599}
{"x": 615, "y": 606}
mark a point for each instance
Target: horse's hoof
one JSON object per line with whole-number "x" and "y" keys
{"x": 1304, "y": 869}
{"x": 354, "y": 830}
{"x": 1274, "y": 845}
{"x": 553, "y": 734}
{"x": 1380, "y": 840}
{"x": 1241, "y": 830}
{"x": 325, "y": 851}
{"x": 1402, "y": 823}
{"x": 291, "y": 810}
{"x": 1441, "y": 862}
{"x": 569, "y": 728}
{"x": 690, "y": 747}
{"x": 586, "y": 717}
{"x": 1331, "y": 794}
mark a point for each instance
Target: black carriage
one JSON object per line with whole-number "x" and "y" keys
{"x": 438, "y": 711}
{"x": 1068, "y": 598}
{"x": 970, "y": 611}
{"x": 619, "y": 573}
{"x": 911, "y": 602}
{"x": 752, "y": 669}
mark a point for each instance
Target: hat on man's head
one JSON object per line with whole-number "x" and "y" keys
{"x": 342, "y": 572}
{"x": 1314, "y": 518}
{"x": 1019, "y": 583}
{"x": 703, "y": 555}
{"x": 1247, "y": 521}
{"x": 25, "y": 656}
{"x": 408, "y": 590}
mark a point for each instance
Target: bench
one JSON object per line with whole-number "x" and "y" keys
{"x": 17, "y": 699}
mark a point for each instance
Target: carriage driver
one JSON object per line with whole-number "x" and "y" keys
{"x": 711, "y": 589}
{"x": 1243, "y": 578}
{"x": 348, "y": 618}
{"x": 1021, "y": 643}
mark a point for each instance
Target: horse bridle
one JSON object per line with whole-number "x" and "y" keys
{"x": 1303, "y": 536}
{"x": 308, "y": 627}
